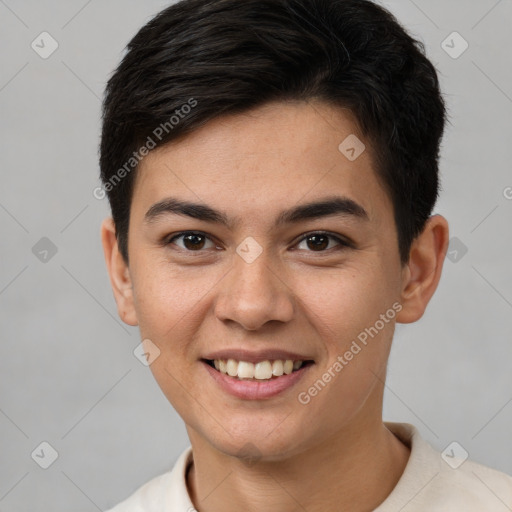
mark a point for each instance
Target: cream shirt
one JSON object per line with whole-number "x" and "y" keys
{"x": 429, "y": 483}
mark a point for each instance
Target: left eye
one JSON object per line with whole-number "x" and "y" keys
{"x": 320, "y": 242}
{"x": 192, "y": 241}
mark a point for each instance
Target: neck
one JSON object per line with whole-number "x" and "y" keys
{"x": 355, "y": 470}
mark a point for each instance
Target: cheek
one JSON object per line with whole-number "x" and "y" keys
{"x": 357, "y": 342}
{"x": 343, "y": 304}
{"x": 352, "y": 312}
{"x": 167, "y": 301}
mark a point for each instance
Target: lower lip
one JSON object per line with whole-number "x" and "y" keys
{"x": 255, "y": 389}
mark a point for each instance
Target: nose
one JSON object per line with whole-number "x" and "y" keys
{"x": 254, "y": 294}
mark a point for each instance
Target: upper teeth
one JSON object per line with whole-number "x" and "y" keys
{"x": 262, "y": 370}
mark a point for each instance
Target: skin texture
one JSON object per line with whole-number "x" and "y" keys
{"x": 334, "y": 452}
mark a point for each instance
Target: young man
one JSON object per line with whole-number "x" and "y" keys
{"x": 272, "y": 166}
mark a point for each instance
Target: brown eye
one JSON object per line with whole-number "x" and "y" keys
{"x": 191, "y": 241}
{"x": 320, "y": 242}
{"x": 317, "y": 242}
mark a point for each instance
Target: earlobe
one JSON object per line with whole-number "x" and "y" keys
{"x": 422, "y": 273}
{"x": 119, "y": 273}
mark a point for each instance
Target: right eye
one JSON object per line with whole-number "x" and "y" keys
{"x": 192, "y": 241}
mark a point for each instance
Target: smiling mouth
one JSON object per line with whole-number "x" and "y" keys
{"x": 262, "y": 371}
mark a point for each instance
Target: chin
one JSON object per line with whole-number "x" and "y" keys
{"x": 262, "y": 444}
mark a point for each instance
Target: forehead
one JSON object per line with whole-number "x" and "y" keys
{"x": 262, "y": 160}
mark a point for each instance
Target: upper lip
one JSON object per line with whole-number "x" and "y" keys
{"x": 256, "y": 356}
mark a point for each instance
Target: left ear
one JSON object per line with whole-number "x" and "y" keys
{"x": 422, "y": 272}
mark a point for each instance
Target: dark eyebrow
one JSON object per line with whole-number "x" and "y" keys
{"x": 335, "y": 205}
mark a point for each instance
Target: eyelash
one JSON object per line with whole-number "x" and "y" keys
{"x": 342, "y": 244}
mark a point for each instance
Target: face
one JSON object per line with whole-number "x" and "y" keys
{"x": 291, "y": 252}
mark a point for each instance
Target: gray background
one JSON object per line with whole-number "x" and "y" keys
{"x": 68, "y": 373}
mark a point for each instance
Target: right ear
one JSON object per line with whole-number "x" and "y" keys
{"x": 119, "y": 273}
